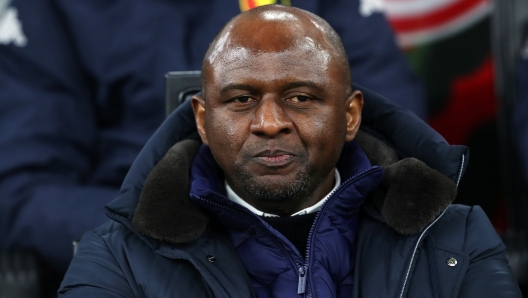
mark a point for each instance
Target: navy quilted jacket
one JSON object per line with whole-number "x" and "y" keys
{"x": 175, "y": 235}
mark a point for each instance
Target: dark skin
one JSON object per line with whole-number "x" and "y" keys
{"x": 278, "y": 108}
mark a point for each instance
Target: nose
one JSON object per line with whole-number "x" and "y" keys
{"x": 270, "y": 119}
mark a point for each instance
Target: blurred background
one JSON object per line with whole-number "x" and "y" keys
{"x": 82, "y": 89}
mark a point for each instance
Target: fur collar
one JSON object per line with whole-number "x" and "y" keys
{"x": 410, "y": 196}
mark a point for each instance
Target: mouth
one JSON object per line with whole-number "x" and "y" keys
{"x": 274, "y": 158}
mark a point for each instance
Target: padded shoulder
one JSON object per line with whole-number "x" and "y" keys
{"x": 95, "y": 271}
{"x": 465, "y": 228}
{"x": 113, "y": 262}
{"x": 480, "y": 233}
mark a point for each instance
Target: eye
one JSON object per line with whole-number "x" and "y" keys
{"x": 242, "y": 99}
{"x": 299, "y": 98}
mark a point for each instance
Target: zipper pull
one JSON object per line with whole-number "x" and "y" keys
{"x": 301, "y": 287}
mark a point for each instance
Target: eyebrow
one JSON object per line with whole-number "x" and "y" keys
{"x": 237, "y": 87}
{"x": 303, "y": 84}
{"x": 290, "y": 85}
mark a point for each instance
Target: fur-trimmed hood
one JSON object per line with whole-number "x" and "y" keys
{"x": 421, "y": 174}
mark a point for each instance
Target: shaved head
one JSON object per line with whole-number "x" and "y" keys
{"x": 277, "y": 107}
{"x": 277, "y": 28}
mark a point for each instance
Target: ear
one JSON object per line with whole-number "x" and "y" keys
{"x": 354, "y": 105}
{"x": 198, "y": 105}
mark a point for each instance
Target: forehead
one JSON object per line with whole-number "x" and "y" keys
{"x": 302, "y": 59}
{"x": 306, "y": 61}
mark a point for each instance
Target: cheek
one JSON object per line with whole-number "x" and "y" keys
{"x": 321, "y": 126}
{"x": 329, "y": 127}
{"x": 224, "y": 133}
{"x": 326, "y": 135}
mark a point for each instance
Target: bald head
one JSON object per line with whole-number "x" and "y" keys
{"x": 277, "y": 29}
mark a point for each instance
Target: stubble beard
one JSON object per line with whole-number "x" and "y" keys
{"x": 275, "y": 198}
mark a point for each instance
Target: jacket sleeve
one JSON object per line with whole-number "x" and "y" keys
{"x": 64, "y": 146}
{"x": 488, "y": 273}
{"x": 375, "y": 60}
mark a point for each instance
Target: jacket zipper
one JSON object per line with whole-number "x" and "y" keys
{"x": 301, "y": 289}
{"x": 424, "y": 231}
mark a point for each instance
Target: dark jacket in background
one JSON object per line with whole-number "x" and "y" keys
{"x": 171, "y": 237}
{"x": 82, "y": 90}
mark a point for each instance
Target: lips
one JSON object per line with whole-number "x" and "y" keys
{"x": 274, "y": 157}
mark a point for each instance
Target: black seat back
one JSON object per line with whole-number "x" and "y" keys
{"x": 180, "y": 86}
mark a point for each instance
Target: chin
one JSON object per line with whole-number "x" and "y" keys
{"x": 275, "y": 189}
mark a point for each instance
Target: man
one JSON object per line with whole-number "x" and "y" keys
{"x": 274, "y": 202}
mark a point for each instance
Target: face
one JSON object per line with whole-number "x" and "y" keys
{"x": 276, "y": 119}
